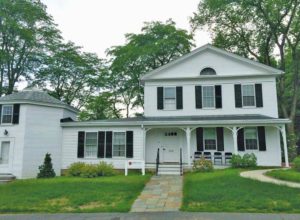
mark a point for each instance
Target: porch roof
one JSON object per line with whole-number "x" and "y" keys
{"x": 183, "y": 120}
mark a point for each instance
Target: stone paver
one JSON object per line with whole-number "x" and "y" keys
{"x": 161, "y": 194}
{"x": 260, "y": 176}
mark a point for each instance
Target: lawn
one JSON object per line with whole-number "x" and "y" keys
{"x": 289, "y": 175}
{"x": 72, "y": 194}
{"x": 226, "y": 191}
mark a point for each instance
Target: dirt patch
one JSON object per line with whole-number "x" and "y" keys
{"x": 95, "y": 205}
{"x": 63, "y": 201}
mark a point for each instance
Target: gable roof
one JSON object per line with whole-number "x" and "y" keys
{"x": 207, "y": 47}
{"x": 37, "y": 97}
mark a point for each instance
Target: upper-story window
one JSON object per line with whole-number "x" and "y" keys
{"x": 208, "y": 71}
{"x": 248, "y": 93}
{"x": 208, "y": 96}
{"x": 169, "y": 98}
{"x": 7, "y": 114}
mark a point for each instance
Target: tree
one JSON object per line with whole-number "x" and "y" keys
{"x": 46, "y": 170}
{"x": 103, "y": 106}
{"x": 71, "y": 75}
{"x": 258, "y": 29}
{"x": 156, "y": 45}
{"x": 26, "y": 31}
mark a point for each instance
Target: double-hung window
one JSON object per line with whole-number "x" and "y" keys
{"x": 7, "y": 114}
{"x": 250, "y": 135}
{"x": 119, "y": 144}
{"x": 248, "y": 92}
{"x": 169, "y": 98}
{"x": 91, "y": 140}
{"x": 210, "y": 138}
{"x": 208, "y": 96}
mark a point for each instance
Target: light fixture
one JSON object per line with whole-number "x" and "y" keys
{"x": 5, "y": 132}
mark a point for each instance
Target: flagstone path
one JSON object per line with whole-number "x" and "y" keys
{"x": 161, "y": 194}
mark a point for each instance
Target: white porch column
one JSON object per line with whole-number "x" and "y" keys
{"x": 188, "y": 143}
{"x": 285, "y": 149}
{"x": 235, "y": 143}
{"x": 144, "y": 142}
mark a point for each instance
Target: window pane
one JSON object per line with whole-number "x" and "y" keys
{"x": 170, "y": 99}
{"x": 248, "y": 95}
{"x": 170, "y": 93}
{"x": 91, "y": 144}
{"x": 208, "y": 96}
{"x": 251, "y": 138}
{"x": 7, "y": 114}
{"x": 210, "y": 142}
{"x": 119, "y": 144}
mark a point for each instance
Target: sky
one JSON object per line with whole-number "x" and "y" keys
{"x": 99, "y": 24}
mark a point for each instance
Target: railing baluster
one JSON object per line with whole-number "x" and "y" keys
{"x": 157, "y": 161}
{"x": 181, "y": 169}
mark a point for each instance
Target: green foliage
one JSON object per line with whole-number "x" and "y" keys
{"x": 156, "y": 45}
{"x": 248, "y": 160}
{"x": 46, "y": 170}
{"x": 91, "y": 170}
{"x": 292, "y": 175}
{"x": 292, "y": 147}
{"x": 203, "y": 165}
{"x": 296, "y": 163}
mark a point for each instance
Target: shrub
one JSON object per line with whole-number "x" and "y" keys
{"x": 89, "y": 171}
{"x": 248, "y": 160}
{"x": 203, "y": 165}
{"x": 46, "y": 169}
{"x": 75, "y": 169}
{"x": 296, "y": 163}
{"x": 105, "y": 169}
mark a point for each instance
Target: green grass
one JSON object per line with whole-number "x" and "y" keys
{"x": 288, "y": 175}
{"x": 71, "y": 194}
{"x": 226, "y": 191}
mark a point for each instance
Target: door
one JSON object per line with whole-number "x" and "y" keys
{"x": 170, "y": 147}
{"x": 5, "y": 157}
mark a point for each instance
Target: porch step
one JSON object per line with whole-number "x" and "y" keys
{"x": 169, "y": 169}
{"x": 6, "y": 177}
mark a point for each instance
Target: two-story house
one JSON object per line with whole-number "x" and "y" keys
{"x": 208, "y": 102}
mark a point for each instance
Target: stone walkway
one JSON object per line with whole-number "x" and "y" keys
{"x": 161, "y": 194}
{"x": 260, "y": 176}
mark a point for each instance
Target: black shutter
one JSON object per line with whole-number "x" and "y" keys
{"x": 129, "y": 144}
{"x": 101, "y": 144}
{"x": 240, "y": 140}
{"x": 80, "y": 146}
{"x": 238, "y": 95}
{"x": 160, "y": 97}
{"x": 199, "y": 136}
{"x": 0, "y": 114}
{"x": 16, "y": 113}
{"x": 259, "y": 96}
{"x": 261, "y": 138}
{"x": 108, "y": 144}
{"x": 198, "y": 96}
{"x": 179, "y": 97}
{"x": 218, "y": 96}
{"x": 220, "y": 138}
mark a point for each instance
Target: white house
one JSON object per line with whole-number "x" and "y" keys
{"x": 208, "y": 101}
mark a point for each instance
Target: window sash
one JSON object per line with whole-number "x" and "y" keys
{"x": 7, "y": 114}
{"x": 248, "y": 93}
{"x": 210, "y": 138}
{"x": 208, "y": 96}
{"x": 119, "y": 144}
{"x": 169, "y": 98}
{"x": 91, "y": 144}
{"x": 251, "y": 139}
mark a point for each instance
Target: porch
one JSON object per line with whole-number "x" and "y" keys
{"x": 216, "y": 139}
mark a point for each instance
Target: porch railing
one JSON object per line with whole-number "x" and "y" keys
{"x": 157, "y": 161}
{"x": 181, "y": 168}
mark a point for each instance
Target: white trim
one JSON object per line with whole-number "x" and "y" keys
{"x": 12, "y": 114}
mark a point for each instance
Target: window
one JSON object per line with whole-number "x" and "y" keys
{"x": 171, "y": 134}
{"x": 208, "y": 96}
{"x": 91, "y": 144}
{"x": 170, "y": 98}
{"x": 208, "y": 71}
{"x": 209, "y": 137}
{"x": 119, "y": 142}
{"x": 7, "y": 113}
{"x": 248, "y": 92}
{"x": 250, "y": 138}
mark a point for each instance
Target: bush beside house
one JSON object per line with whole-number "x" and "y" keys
{"x": 90, "y": 170}
{"x": 46, "y": 170}
{"x": 246, "y": 161}
{"x": 203, "y": 165}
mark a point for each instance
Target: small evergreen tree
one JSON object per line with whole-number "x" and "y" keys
{"x": 46, "y": 170}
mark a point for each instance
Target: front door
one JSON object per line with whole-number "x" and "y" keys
{"x": 5, "y": 157}
{"x": 170, "y": 147}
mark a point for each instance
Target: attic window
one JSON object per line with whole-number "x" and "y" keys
{"x": 208, "y": 71}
